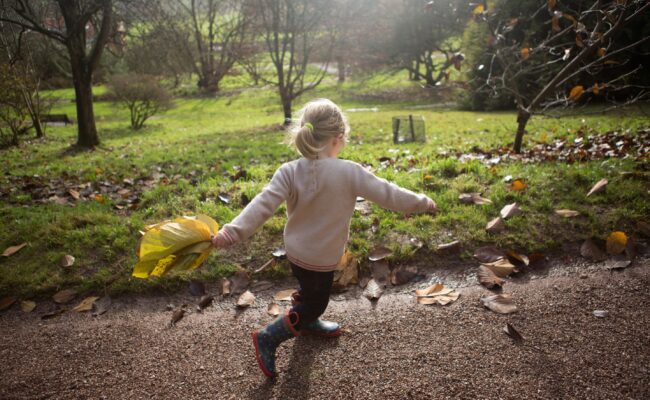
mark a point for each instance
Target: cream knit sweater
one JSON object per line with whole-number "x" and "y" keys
{"x": 320, "y": 196}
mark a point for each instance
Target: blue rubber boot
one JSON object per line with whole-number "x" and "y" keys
{"x": 318, "y": 327}
{"x": 268, "y": 339}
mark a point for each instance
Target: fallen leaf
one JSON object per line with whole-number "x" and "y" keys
{"x": 261, "y": 286}
{"x": 535, "y": 258}
{"x": 279, "y": 253}
{"x": 177, "y": 315}
{"x": 510, "y": 210}
{"x": 518, "y": 258}
{"x": 246, "y": 299}
{"x": 576, "y": 92}
{"x": 86, "y": 304}
{"x": 379, "y": 253}
{"x": 64, "y": 296}
{"x": 7, "y": 302}
{"x": 488, "y": 278}
{"x": 273, "y": 309}
{"x": 620, "y": 264}
{"x": 518, "y": 185}
{"x": 598, "y": 187}
{"x": 437, "y": 289}
{"x": 403, "y": 275}
{"x": 13, "y": 249}
{"x": 373, "y": 290}
{"x": 551, "y": 4}
{"x": 224, "y": 197}
{"x": 601, "y": 51}
{"x": 495, "y": 226}
{"x": 240, "y": 281}
{"x": 347, "y": 272}
{"x": 590, "y": 251}
{"x": 473, "y": 198}
{"x": 67, "y": 261}
{"x": 205, "y": 301}
{"x": 102, "y": 305}
{"x": 265, "y": 266}
{"x": 499, "y": 303}
{"x": 284, "y": 295}
{"x": 525, "y": 52}
{"x": 74, "y": 194}
{"x": 630, "y": 248}
{"x": 601, "y": 313}
{"x": 644, "y": 228}
{"x": 501, "y": 268}
{"x": 53, "y": 313}
{"x": 27, "y": 306}
{"x": 512, "y": 332}
{"x": 225, "y": 287}
{"x": 380, "y": 272}
{"x": 488, "y": 254}
{"x": 566, "y": 213}
{"x": 449, "y": 248}
{"x": 442, "y": 300}
{"x": 197, "y": 288}
{"x": 616, "y": 242}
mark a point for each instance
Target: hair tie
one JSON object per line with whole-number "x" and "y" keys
{"x": 309, "y": 126}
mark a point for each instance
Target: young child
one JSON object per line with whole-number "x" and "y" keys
{"x": 321, "y": 191}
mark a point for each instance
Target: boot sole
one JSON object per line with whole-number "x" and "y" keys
{"x": 260, "y": 363}
{"x": 321, "y": 334}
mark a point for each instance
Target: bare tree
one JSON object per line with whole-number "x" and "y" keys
{"x": 295, "y": 32}
{"x": 577, "y": 44}
{"x": 84, "y": 28}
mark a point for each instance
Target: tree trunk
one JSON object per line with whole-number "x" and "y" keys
{"x": 341, "y": 68}
{"x": 38, "y": 127}
{"x": 522, "y": 119}
{"x": 83, "y": 88}
{"x": 286, "y": 107}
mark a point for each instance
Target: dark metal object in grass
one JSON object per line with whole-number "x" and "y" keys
{"x": 410, "y": 128}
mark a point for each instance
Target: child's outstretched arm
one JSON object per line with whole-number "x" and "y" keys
{"x": 257, "y": 211}
{"x": 390, "y": 195}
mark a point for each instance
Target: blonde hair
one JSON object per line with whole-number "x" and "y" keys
{"x": 317, "y": 122}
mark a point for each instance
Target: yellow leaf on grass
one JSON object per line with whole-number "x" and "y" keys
{"x": 518, "y": 185}
{"x": 576, "y": 92}
{"x": 616, "y": 242}
{"x": 563, "y": 212}
{"x": 478, "y": 9}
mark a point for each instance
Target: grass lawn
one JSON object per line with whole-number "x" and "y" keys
{"x": 188, "y": 155}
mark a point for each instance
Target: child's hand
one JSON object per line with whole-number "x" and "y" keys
{"x": 219, "y": 241}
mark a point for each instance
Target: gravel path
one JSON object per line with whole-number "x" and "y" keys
{"x": 395, "y": 349}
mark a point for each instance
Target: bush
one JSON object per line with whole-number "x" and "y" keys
{"x": 141, "y": 94}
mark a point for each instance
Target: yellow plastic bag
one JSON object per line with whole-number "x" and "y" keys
{"x": 179, "y": 244}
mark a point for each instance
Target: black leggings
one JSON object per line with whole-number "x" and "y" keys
{"x": 314, "y": 293}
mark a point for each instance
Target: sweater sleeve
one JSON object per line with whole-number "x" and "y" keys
{"x": 389, "y": 195}
{"x": 257, "y": 211}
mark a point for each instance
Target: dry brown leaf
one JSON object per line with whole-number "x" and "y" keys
{"x": 53, "y": 313}
{"x": 590, "y": 251}
{"x": 380, "y": 272}
{"x": 449, "y": 248}
{"x": 518, "y": 258}
{"x": 525, "y": 52}
{"x": 347, "y": 272}
{"x": 373, "y": 290}
{"x": 75, "y": 195}
{"x": 102, "y": 305}
{"x": 7, "y": 302}
{"x": 273, "y": 309}
{"x": 495, "y": 226}
{"x": 177, "y": 315}
{"x": 513, "y": 333}
{"x": 86, "y": 304}
{"x": 225, "y": 287}
{"x": 27, "y": 306}
{"x": 379, "y": 253}
{"x": 510, "y": 211}
{"x": 535, "y": 258}
{"x": 473, "y": 198}
{"x": 488, "y": 278}
{"x": 616, "y": 242}
{"x": 64, "y": 296}
{"x": 551, "y": 4}
{"x": 566, "y": 213}
{"x": 501, "y": 268}
{"x": 205, "y": 301}
{"x": 67, "y": 261}
{"x": 621, "y": 264}
{"x": 440, "y": 299}
{"x": 246, "y": 299}
{"x": 598, "y": 187}
{"x": 488, "y": 254}
{"x": 644, "y": 228}
{"x": 13, "y": 249}
{"x": 403, "y": 275}
{"x": 284, "y": 295}
{"x": 499, "y": 303}
{"x": 240, "y": 281}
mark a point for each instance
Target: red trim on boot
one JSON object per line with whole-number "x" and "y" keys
{"x": 259, "y": 358}
{"x": 289, "y": 325}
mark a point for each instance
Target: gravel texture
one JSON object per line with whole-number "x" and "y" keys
{"x": 393, "y": 349}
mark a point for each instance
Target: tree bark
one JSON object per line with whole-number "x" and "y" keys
{"x": 82, "y": 80}
{"x": 522, "y": 119}
{"x": 286, "y": 108}
{"x": 341, "y": 68}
